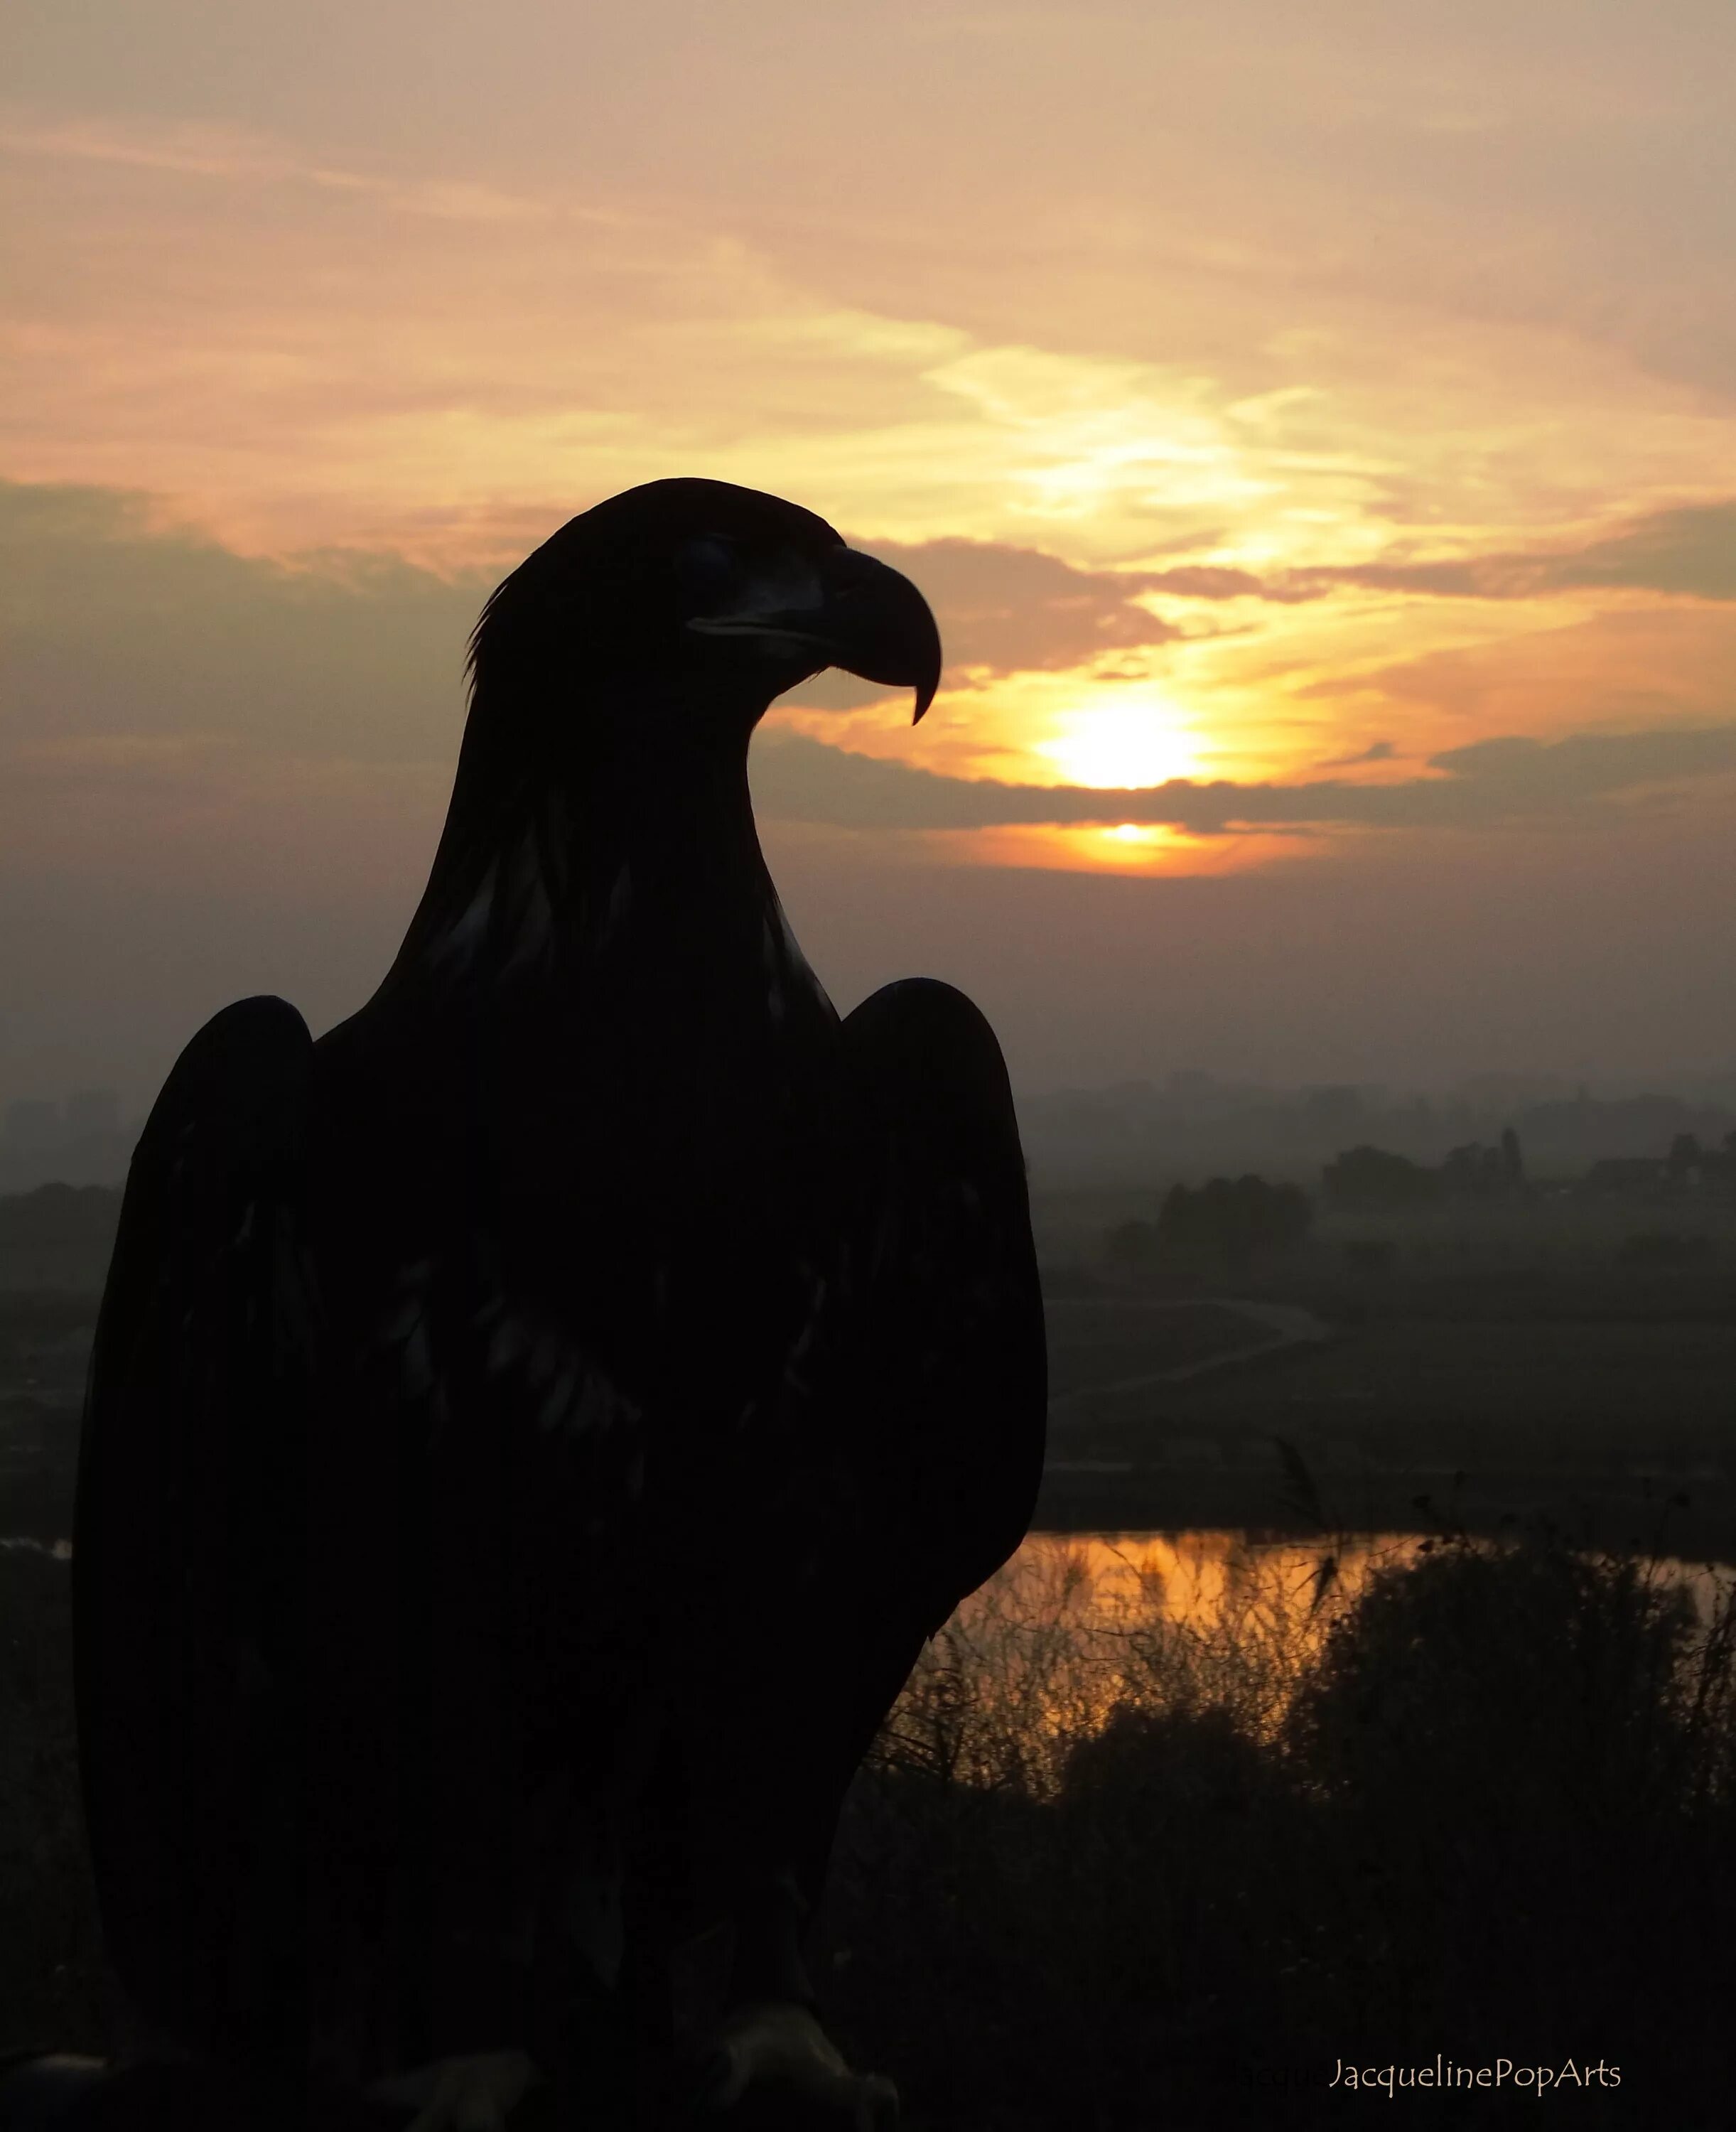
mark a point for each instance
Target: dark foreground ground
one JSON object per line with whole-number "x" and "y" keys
{"x": 1480, "y": 1811}
{"x": 1481, "y": 1814}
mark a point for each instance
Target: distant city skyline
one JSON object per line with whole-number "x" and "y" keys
{"x": 1138, "y": 1133}
{"x": 36, "y": 1116}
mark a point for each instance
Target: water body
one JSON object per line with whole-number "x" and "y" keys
{"x": 1212, "y": 1579}
{"x": 1202, "y": 1577}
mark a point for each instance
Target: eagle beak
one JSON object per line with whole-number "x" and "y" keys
{"x": 867, "y": 618}
{"x": 878, "y": 626}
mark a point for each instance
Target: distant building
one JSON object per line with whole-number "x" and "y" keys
{"x": 1476, "y": 1172}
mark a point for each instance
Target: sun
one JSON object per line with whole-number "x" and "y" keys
{"x": 1139, "y": 742}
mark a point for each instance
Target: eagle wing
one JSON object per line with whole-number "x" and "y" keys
{"x": 951, "y": 1336}
{"x": 905, "y": 1464}
{"x": 186, "y": 1548}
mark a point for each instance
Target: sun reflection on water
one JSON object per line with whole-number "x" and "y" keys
{"x": 1077, "y": 1626}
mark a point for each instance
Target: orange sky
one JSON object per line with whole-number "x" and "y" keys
{"x": 1336, "y": 398}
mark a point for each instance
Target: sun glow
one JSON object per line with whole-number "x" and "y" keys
{"x": 1139, "y": 742}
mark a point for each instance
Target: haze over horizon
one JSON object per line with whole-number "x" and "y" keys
{"x": 1316, "y": 433}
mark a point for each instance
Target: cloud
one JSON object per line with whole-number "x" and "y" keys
{"x": 1689, "y": 550}
{"x": 1207, "y": 581}
{"x": 116, "y": 624}
{"x": 1379, "y": 751}
{"x": 1582, "y": 765}
{"x": 1012, "y": 608}
{"x": 233, "y": 156}
{"x": 1005, "y": 610}
{"x": 116, "y": 629}
{"x": 153, "y": 659}
{"x": 1484, "y": 784}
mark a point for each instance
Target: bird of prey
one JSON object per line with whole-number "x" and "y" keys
{"x": 533, "y": 1429}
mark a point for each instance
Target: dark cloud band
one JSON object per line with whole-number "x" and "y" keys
{"x": 122, "y": 635}
{"x": 1487, "y": 782}
{"x": 1690, "y": 552}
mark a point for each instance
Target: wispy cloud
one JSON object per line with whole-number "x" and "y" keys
{"x": 1689, "y": 550}
{"x": 236, "y": 155}
{"x": 1206, "y": 581}
{"x": 1008, "y": 609}
{"x": 1379, "y": 751}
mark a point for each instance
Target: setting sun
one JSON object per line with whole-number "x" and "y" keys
{"x": 1140, "y": 742}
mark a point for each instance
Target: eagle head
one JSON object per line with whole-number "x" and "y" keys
{"x": 736, "y": 593}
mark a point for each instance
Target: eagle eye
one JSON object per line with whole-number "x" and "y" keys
{"x": 708, "y": 571}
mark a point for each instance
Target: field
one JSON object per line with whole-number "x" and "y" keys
{"x": 1497, "y": 1368}
{"x": 1569, "y": 1356}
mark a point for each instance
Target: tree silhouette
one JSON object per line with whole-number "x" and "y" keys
{"x": 1369, "y": 1180}
{"x": 1236, "y": 1220}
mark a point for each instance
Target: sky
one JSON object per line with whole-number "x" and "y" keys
{"x": 1314, "y": 428}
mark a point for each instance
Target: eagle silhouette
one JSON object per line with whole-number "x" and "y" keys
{"x": 533, "y": 1429}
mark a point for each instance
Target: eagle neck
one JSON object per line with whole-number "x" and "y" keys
{"x": 640, "y": 841}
